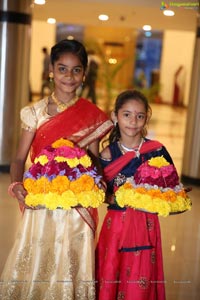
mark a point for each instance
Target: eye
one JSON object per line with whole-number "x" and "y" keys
{"x": 126, "y": 115}
{"x": 62, "y": 69}
{"x": 140, "y": 116}
{"x": 77, "y": 70}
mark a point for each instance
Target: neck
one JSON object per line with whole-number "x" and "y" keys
{"x": 64, "y": 98}
{"x": 61, "y": 105}
{"x": 131, "y": 144}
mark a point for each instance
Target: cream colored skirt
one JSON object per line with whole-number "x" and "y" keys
{"x": 52, "y": 258}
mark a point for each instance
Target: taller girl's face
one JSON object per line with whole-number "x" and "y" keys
{"x": 131, "y": 118}
{"x": 68, "y": 73}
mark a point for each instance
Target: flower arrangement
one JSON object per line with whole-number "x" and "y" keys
{"x": 63, "y": 176}
{"x": 155, "y": 188}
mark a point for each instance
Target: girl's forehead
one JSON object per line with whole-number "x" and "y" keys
{"x": 133, "y": 105}
{"x": 68, "y": 58}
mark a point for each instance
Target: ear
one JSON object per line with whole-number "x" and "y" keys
{"x": 50, "y": 68}
{"x": 113, "y": 117}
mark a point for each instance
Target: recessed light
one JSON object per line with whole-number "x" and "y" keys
{"x": 40, "y": 2}
{"x": 103, "y": 17}
{"x": 51, "y": 20}
{"x": 148, "y": 33}
{"x": 70, "y": 37}
{"x": 147, "y": 27}
{"x": 168, "y": 13}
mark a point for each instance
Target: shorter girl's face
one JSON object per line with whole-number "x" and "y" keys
{"x": 131, "y": 119}
{"x": 68, "y": 73}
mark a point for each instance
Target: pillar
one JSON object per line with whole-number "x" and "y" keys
{"x": 191, "y": 155}
{"x": 15, "y": 36}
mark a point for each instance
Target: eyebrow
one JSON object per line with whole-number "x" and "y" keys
{"x": 132, "y": 112}
{"x": 63, "y": 65}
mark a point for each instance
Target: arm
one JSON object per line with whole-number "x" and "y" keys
{"x": 106, "y": 155}
{"x": 18, "y": 164}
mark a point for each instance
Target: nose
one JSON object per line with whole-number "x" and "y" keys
{"x": 69, "y": 73}
{"x": 133, "y": 119}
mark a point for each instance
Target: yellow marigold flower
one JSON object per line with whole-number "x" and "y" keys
{"x": 68, "y": 199}
{"x": 91, "y": 198}
{"x": 158, "y": 162}
{"x": 83, "y": 183}
{"x": 42, "y": 159}
{"x": 85, "y": 161}
{"x": 29, "y": 185}
{"x": 59, "y": 184}
{"x": 34, "y": 200}
{"x": 72, "y": 162}
{"x": 62, "y": 142}
{"x": 61, "y": 159}
{"x": 51, "y": 200}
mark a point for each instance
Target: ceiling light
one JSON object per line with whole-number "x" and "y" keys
{"x": 147, "y": 27}
{"x": 51, "y": 20}
{"x": 40, "y": 2}
{"x": 103, "y": 17}
{"x": 70, "y": 37}
{"x": 112, "y": 61}
{"x": 148, "y": 33}
{"x": 168, "y": 13}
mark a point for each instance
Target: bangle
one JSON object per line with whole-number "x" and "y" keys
{"x": 11, "y": 186}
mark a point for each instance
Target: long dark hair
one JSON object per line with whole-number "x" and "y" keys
{"x": 69, "y": 46}
{"x": 120, "y": 101}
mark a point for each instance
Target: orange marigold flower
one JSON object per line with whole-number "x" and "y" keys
{"x": 169, "y": 196}
{"x": 141, "y": 190}
{"x": 155, "y": 193}
{"x": 182, "y": 194}
{"x": 60, "y": 184}
{"x": 42, "y": 185}
{"x": 29, "y": 185}
{"x": 83, "y": 183}
{"x": 62, "y": 142}
{"x": 127, "y": 185}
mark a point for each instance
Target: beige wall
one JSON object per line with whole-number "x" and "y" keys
{"x": 43, "y": 35}
{"x": 178, "y": 49}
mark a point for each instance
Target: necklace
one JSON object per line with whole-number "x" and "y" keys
{"x": 61, "y": 106}
{"x": 125, "y": 149}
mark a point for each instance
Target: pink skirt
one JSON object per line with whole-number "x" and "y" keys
{"x": 129, "y": 262}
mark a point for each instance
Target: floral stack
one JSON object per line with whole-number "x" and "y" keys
{"x": 63, "y": 176}
{"x": 154, "y": 188}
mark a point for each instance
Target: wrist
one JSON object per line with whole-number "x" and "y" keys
{"x": 11, "y": 187}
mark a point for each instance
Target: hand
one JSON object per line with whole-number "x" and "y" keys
{"x": 20, "y": 194}
{"x": 188, "y": 189}
{"x": 110, "y": 199}
{"x": 102, "y": 185}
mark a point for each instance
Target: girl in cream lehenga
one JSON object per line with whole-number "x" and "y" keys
{"x": 53, "y": 254}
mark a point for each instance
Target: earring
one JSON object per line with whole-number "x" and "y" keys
{"x": 79, "y": 89}
{"x": 51, "y": 76}
{"x": 115, "y": 123}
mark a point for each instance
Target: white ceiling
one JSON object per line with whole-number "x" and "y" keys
{"x": 122, "y": 13}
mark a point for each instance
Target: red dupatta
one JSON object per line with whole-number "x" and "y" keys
{"x": 130, "y": 237}
{"x": 111, "y": 170}
{"x": 81, "y": 123}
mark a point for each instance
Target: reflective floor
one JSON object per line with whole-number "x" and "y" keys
{"x": 180, "y": 233}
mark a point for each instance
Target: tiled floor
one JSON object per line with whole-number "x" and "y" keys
{"x": 180, "y": 233}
